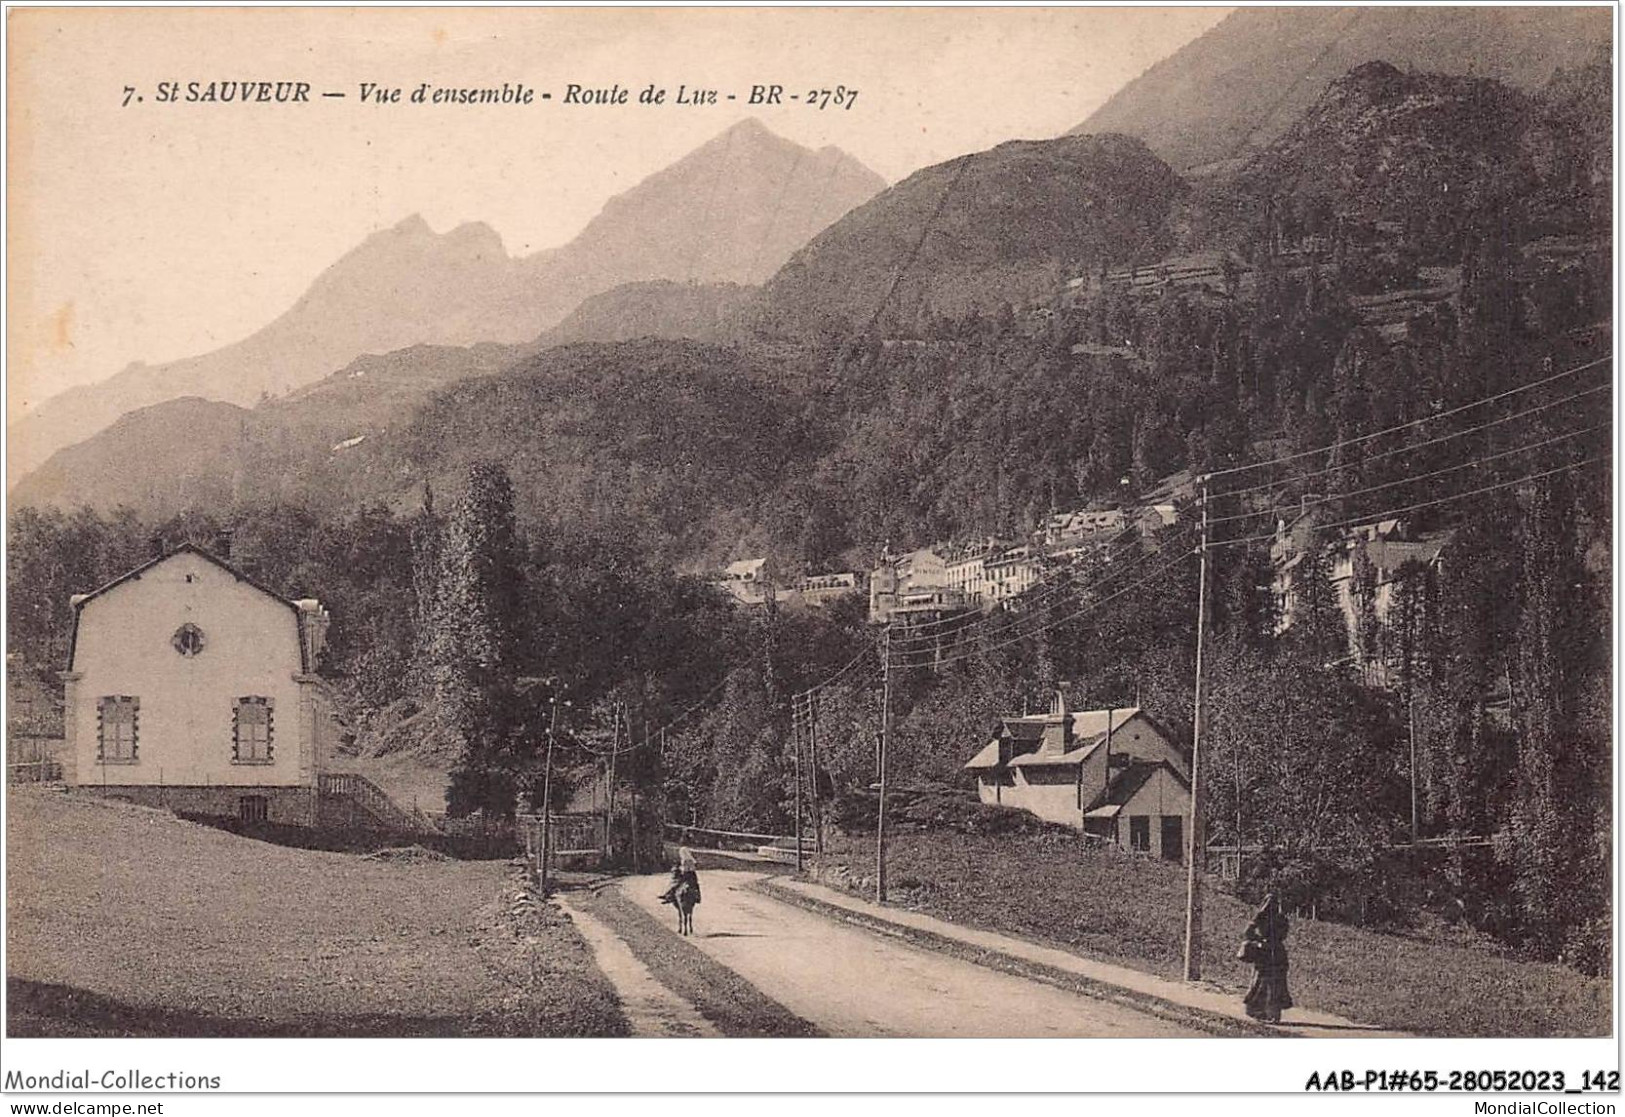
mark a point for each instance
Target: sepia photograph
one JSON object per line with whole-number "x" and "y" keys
{"x": 1070, "y": 523}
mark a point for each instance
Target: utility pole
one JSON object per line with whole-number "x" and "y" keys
{"x": 812, "y": 764}
{"x": 637, "y": 848}
{"x": 609, "y": 787}
{"x": 1237, "y": 760}
{"x": 882, "y": 741}
{"x": 795, "y": 740}
{"x": 547, "y": 792}
{"x": 1197, "y": 845}
{"x": 1410, "y": 703}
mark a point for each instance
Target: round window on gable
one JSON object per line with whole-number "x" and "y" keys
{"x": 188, "y": 640}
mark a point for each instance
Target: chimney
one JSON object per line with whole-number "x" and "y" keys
{"x": 222, "y": 544}
{"x": 155, "y": 545}
{"x": 1058, "y": 730}
{"x": 314, "y": 622}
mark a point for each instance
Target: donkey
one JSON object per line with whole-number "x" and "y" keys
{"x": 684, "y": 897}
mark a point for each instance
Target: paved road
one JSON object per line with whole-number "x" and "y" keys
{"x": 852, "y": 982}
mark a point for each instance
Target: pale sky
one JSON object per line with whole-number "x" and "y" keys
{"x": 157, "y": 231}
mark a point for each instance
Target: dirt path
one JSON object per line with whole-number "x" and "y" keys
{"x": 651, "y": 1009}
{"x": 852, "y": 982}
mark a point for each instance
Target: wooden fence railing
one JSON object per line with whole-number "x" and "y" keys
{"x": 33, "y": 760}
{"x": 700, "y": 837}
{"x": 546, "y": 841}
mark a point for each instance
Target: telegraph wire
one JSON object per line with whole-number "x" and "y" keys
{"x": 1013, "y": 631}
{"x": 1412, "y": 479}
{"x": 1385, "y": 514}
{"x": 1054, "y": 592}
{"x": 1091, "y": 607}
{"x": 958, "y": 657}
{"x": 1295, "y": 479}
{"x": 1057, "y": 580}
{"x": 1357, "y": 440}
{"x": 830, "y": 681}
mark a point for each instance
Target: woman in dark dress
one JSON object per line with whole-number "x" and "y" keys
{"x": 1264, "y": 945}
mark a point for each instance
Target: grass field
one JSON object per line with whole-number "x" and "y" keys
{"x": 128, "y": 921}
{"x": 1130, "y": 910}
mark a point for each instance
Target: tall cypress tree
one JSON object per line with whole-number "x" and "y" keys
{"x": 1552, "y": 818}
{"x": 426, "y": 529}
{"x": 474, "y": 644}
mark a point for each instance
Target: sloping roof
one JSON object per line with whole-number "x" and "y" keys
{"x": 192, "y": 549}
{"x": 1126, "y": 786}
{"x": 1088, "y": 732}
{"x": 1093, "y": 723}
{"x": 1025, "y": 728}
{"x": 1390, "y": 554}
{"x": 1056, "y": 759}
{"x": 1086, "y": 724}
{"x": 987, "y": 758}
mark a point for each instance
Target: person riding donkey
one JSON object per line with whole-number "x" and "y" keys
{"x": 684, "y": 892}
{"x": 682, "y": 873}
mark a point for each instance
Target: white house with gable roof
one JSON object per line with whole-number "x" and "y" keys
{"x": 191, "y": 687}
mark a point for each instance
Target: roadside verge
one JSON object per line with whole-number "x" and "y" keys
{"x": 1202, "y": 1007}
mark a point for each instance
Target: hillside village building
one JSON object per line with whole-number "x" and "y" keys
{"x": 1111, "y": 773}
{"x": 980, "y": 575}
{"x": 756, "y": 581}
{"x": 749, "y": 581}
{"x": 1072, "y": 529}
{"x": 818, "y": 590}
{"x": 915, "y": 584}
{"x": 1383, "y": 550}
{"x": 193, "y": 688}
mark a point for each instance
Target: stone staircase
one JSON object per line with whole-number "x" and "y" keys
{"x": 351, "y": 800}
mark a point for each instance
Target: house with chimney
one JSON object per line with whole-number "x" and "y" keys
{"x": 1113, "y": 773}
{"x": 191, "y": 687}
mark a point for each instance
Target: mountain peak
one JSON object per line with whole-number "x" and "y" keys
{"x": 412, "y": 226}
{"x": 753, "y": 127}
{"x": 747, "y": 137}
{"x": 730, "y": 211}
{"x": 1375, "y": 82}
{"x": 413, "y": 238}
{"x": 478, "y": 236}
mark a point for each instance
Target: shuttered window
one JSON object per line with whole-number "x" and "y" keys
{"x": 251, "y": 727}
{"x": 118, "y": 718}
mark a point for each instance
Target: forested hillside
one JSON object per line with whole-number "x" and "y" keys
{"x": 657, "y": 308}
{"x": 1006, "y": 225}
